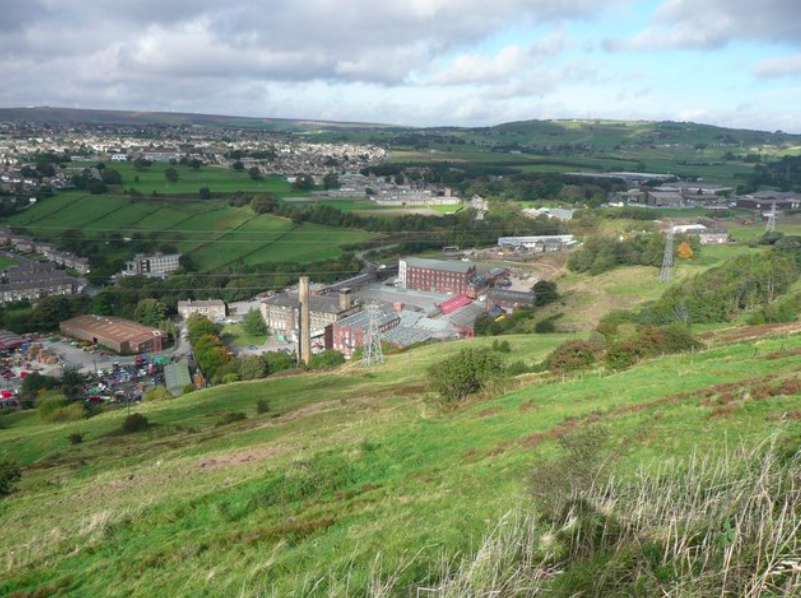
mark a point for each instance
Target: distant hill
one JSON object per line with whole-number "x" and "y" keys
{"x": 595, "y": 132}
{"x": 46, "y": 114}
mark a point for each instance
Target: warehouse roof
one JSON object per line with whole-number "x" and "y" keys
{"x": 448, "y": 266}
{"x": 111, "y": 328}
{"x": 328, "y": 304}
{"x": 201, "y": 303}
{"x": 10, "y": 340}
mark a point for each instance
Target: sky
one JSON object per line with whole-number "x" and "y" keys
{"x": 734, "y": 63}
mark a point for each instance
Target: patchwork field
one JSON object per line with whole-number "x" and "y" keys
{"x": 190, "y": 181}
{"x": 351, "y": 474}
{"x": 212, "y": 232}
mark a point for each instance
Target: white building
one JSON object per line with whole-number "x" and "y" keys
{"x": 158, "y": 265}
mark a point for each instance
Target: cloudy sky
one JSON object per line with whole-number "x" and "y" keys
{"x": 418, "y": 62}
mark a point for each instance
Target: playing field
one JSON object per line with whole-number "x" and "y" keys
{"x": 212, "y": 232}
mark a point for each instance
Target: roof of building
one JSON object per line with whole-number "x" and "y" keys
{"x": 10, "y": 339}
{"x": 328, "y": 304}
{"x": 112, "y": 328}
{"x": 509, "y": 295}
{"x": 176, "y": 376}
{"x": 455, "y": 303}
{"x": 466, "y": 317}
{"x": 422, "y": 300}
{"x": 536, "y": 239}
{"x": 404, "y": 336}
{"x": 360, "y": 319}
{"x": 448, "y": 266}
{"x": 35, "y": 275}
{"x": 201, "y": 303}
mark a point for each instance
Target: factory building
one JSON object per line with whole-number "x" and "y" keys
{"x": 436, "y": 276}
{"x": 117, "y": 334}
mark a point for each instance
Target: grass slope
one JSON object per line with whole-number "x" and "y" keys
{"x": 212, "y": 232}
{"x": 349, "y": 465}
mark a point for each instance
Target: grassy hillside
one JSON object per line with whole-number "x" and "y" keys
{"x": 353, "y": 474}
{"x": 212, "y": 232}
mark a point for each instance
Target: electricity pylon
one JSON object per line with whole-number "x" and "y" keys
{"x": 770, "y": 227}
{"x": 667, "y": 261}
{"x": 373, "y": 353}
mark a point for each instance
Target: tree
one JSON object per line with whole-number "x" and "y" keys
{"x": 331, "y": 181}
{"x": 197, "y": 326}
{"x": 545, "y": 292}
{"x": 238, "y": 166}
{"x": 150, "y": 312}
{"x": 10, "y": 473}
{"x": 111, "y": 176}
{"x": 253, "y": 323}
{"x": 171, "y": 175}
{"x": 278, "y": 361}
{"x": 158, "y": 393}
{"x": 205, "y": 193}
{"x": 252, "y": 367}
{"x": 255, "y": 173}
{"x": 263, "y": 204}
{"x": 303, "y": 182}
{"x": 466, "y": 372}
{"x": 685, "y": 252}
{"x": 98, "y": 188}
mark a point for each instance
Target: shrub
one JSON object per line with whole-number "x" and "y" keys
{"x": 50, "y": 403}
{"x": 158, "y": 393}
{"x": 554, "y": 484}
{"x": 262, "y": 406}
{"x": 252, "y": 367}
{"x": 229, "y": 378}
{"x": 10, "y": 473}
{"x": 326, "y": 360}
{"x": 136, "y": 422}
{"x": 75, "y": 438}
{"x": 545, "y": 292}
{"x": 278, "y": 361}
{"x": 572, "y": 356}
{"x": 466, "y": 372}
{"x": 501, "y": 347}
{"x": 232, "y": 417}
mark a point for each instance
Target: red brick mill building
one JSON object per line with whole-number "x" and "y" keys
{"x": 436, "y": 276}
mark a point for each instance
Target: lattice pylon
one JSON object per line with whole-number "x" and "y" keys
{"x": 373, "y": 353}
{"x": 667, "y": 262}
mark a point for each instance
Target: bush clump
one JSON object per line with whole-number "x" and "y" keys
{"x": 262, "y": 406}
{"x": 466, "y": 372}
{"x": 232, "y": 417}
{"x": 572, "y": 356}
{"x": 136, "y": 422}
{"x": 10, "y": 473}
{"x": 75, "y": 438}
{"x": 326, "y": 360}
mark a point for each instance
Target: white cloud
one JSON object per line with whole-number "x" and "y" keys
{"x": 779, "y": 67}
{"x": 714, "y": 23}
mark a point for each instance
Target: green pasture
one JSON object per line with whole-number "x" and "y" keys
{"x": 348, "y": 470}
{"x": 212, "y": 232}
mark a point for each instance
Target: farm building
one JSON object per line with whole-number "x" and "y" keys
{"x": 122, "y": 336}
{"x": 438, "y": 276}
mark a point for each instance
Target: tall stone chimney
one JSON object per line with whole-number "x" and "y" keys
{"x": 345, "y": 299}
{"x": 305, "y": 320}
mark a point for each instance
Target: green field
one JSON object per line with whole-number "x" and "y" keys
{"x": 216, "y": 178}
{"x": 212, "y": 232}
{"x": 6, "y": 262}
{"x": 234, "y": 334}
{"x": 347, "y": 467}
